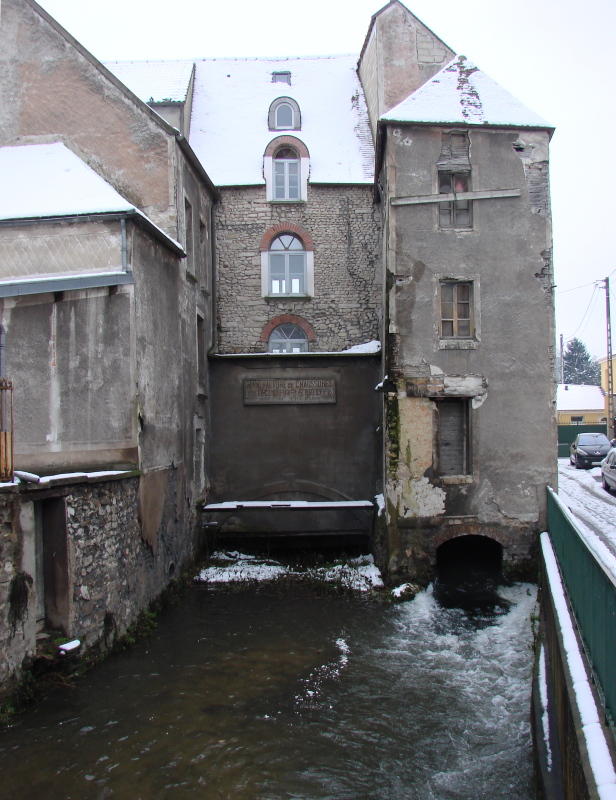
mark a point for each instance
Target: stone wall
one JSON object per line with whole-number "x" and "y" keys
{"x": 112, "y": 572}
{"x": 345, "y": 228}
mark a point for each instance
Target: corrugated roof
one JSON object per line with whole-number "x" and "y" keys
{"x": 155, "y": 81}
{"x": 573, "y": 397}
{"x": 462, "y": 94}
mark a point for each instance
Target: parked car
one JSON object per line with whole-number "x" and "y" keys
{"x": 608, "y": 471}
{"x": 589, "y": 449}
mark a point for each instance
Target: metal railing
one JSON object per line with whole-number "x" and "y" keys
{"x": 591, "y": 588}
{"x": 6, "y": 429}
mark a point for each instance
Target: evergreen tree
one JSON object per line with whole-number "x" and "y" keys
{"x": 579, "y": 366}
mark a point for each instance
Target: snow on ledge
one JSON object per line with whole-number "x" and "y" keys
{"x": 598, "y": 751}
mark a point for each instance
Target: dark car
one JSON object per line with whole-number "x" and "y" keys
{"x": 589, "y": 449}
{"x": 608, "y": 470}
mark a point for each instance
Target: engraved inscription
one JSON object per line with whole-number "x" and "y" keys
{"x": 280, "y": 391}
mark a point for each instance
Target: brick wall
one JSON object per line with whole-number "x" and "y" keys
{"x": 345, "y": 228}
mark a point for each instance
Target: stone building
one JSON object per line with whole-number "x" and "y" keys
{"x": 304, "y": 283}
{"x": 105, "y": 297}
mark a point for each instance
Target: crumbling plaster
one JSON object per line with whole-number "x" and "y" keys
{"x": 505, "y": 369}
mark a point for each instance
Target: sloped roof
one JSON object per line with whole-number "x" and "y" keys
{"x": 461, "y": 94}
{"x": 155, "y": 81}
{"x": 42, "y": 181}
{"x": 229, "y": 126}
{"x": 49, "y": 180}
{"x": 573, "y": 397}
{"x": 231, "y": 99}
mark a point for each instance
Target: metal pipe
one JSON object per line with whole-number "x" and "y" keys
{"x": 2, "y": 351}
{"x": 124, "y": 246}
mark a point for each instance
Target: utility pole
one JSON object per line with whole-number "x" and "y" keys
{"x": 610, "y": 372}
{"x": 562, "y": 360}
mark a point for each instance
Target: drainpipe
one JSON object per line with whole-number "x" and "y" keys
{"x": 2, "y": 351}
{"x": 124, "y": 245}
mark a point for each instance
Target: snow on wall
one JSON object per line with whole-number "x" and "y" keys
{"x": 598, "y": 751}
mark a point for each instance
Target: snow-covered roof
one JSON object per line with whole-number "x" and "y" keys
{"x": 462, "y": 94}
{"x": 573, "y": 397}
{"x": 49, "y": 180}
{"x": 155, "y": 81}
{"x": 229, "y": 128}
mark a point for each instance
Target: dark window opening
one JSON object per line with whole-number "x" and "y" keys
{"x": 281, "y": 77}
{"x": 454, "y": 213}
{"x": 453, "y": 437}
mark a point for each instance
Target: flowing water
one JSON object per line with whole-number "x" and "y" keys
{"x": 260, "y": 694}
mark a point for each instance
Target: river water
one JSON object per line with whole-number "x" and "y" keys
{"x": 265, "y": 694}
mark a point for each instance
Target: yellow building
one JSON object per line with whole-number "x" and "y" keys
{"x": 580, "y": 405}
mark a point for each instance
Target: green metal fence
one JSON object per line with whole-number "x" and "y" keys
{"x": 567, "y": 433}
{"x": 592, "y": 592}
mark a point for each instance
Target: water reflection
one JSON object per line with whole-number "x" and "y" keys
{"x": 261, "y": 695}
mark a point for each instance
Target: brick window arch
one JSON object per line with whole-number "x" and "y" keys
{"x": 292, "y": 319}
{"x": 289, "y": 227}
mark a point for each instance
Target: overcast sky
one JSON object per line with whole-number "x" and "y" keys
{"x": 553, "y": 55}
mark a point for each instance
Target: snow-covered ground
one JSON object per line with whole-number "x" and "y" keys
{"x": 592, "y": 506}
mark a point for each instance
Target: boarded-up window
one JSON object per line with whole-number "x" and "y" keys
{"x": 453, "y": 437}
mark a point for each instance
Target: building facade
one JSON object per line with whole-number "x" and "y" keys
{"x": 344, "y": 298}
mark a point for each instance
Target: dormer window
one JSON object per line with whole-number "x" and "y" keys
{"x": 284, "y": 115}
{"x": 284, "y": 76}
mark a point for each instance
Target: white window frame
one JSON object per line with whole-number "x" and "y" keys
{"x": 296, "y": 116}
{"x": 309, "y": 276}
{"x": 268, "y": 174}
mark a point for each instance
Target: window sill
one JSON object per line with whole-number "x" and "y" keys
{"x": 456, "y": 230}
{"x": 302, "y": 298}
{"x": 190, "y": 277}
{"x": 458, "y": 344}
{"x": 288, "y": 202}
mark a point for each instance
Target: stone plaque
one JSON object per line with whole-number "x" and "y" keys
{"x": 289, "y": 391}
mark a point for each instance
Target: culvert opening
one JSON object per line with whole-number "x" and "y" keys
{"x": 469, "y": 572}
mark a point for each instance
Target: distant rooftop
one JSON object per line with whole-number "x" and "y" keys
{"x": 573, "y": 397}
{"x": 462, "y": 94}
{"x": 155, "y": 81}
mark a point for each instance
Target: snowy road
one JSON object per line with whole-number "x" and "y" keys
{"x": 592, "y": 506}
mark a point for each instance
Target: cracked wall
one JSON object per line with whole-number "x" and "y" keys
{"x": 502, "y": 375}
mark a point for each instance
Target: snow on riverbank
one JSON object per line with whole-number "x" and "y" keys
{"x": 357, "y": 574}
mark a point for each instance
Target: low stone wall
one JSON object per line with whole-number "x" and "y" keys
{"x": 101, "y": 573}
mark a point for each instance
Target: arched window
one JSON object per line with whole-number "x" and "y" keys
{"x": 287, "y": 266}
{"x": 286, "y": 164}
{"x": 284, "y": 115}
{"x": 288, "y": 338}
